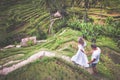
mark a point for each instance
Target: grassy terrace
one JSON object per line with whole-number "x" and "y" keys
{"x": 23, "y": 14}
{"x": 95, "y": 14}
{"x": 47, "y": 69}
{"x": 63, "y": 37}
{"x": 64, "y": 43}
{"x": 28, "y": 18}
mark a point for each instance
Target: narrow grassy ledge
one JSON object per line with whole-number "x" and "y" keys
{"x": 107, "y": 42}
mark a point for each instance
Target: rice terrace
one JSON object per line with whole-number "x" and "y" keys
{"x": 39, "y": 38}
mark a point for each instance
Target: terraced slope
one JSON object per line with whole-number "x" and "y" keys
{"x": 21, "y": 19}
{"x": 96, "y": 14}
{"x": 63, "y": 43}
{"x": 49, "y": 69}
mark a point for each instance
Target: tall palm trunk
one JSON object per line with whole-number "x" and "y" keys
{"x": 101, "y": 13}
{"x": 50, "y": 26}
{"x": 51, "y": 5}
{"x": 51, "y": 22}
{"x": 86, "y": 10}
{"x": 72, "y": 3}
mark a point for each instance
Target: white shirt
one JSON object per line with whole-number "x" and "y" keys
{"x": 96, "y": 55}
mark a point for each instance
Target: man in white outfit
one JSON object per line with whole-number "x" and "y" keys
{"x": 95, "y": 57}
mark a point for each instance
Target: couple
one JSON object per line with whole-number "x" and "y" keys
{"x": 81, "y": 58}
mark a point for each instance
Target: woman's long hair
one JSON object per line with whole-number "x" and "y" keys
{"x": 81, "y": 41}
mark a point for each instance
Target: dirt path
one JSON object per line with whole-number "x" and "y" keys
{"x": 34, "y": 57}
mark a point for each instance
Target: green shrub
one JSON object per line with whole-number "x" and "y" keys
{"x": 92, "y": 31}
{"x": 30, "y": 42}
{"x": 112, "y": 30}
{"x": 109, "y": 20}
{"x": 89, "y": 30}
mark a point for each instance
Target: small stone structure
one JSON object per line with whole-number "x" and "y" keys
{"x": 24, "y": 41}
{"x": 57, "y": 14}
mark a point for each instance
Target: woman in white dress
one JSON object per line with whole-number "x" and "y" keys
{"x": 81, "y": 58}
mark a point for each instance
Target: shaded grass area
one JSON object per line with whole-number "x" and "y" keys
{"x": 103, "y": 69}
{"x": 112, "y": 54}
{"x": 108, "y": 68}
{"x": 108, "y": 42}
{"x": 48, "y": 69}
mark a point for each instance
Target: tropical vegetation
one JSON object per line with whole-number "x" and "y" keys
{"x": 96, "y": 20}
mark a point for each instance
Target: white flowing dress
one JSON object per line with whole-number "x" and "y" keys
{"x": 80, "y": 58}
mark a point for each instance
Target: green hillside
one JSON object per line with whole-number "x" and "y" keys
{"x": 56, "y": 68}
{"x": 19, "y": 19}
{"x": 98, "y": 21}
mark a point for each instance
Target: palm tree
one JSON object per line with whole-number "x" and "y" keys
{"x": 86, "y": 6}
{"x": 52, "y": 6}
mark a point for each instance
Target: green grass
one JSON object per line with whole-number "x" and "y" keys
{"x": 48, "y": 69}
{"x": 64, "y": 44}
{"x": 23, "y": 12}
{"x": 103, "y": 69}
{"x": 108, "y": 68}
{"x": 58, "y": 40}
{"x": 107, "y": 42}
{"x": 27, "y": 51}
